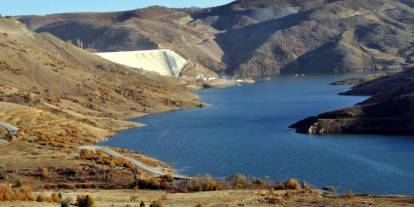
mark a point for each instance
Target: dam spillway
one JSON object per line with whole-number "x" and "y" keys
{"x": 165, "y": 61}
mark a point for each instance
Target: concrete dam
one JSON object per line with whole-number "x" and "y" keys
{"x": 165, "y": 62}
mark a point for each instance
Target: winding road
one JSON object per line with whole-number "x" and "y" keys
{"x": 12, "y": 130}
{"x": 158, "y": 171}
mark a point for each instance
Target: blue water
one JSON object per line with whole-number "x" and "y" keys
{"x": 246, "y": 131}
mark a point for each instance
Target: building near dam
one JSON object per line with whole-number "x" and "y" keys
{"x": 165, "y": 62}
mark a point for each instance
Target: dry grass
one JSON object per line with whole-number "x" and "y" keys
{"x": 100, "y": 158}
{"x": 23, "y": 193}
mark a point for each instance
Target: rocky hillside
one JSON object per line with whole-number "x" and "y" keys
{"x": 256, "y": 37}
{"x": 265, "y": 37}
{"x": 390, "y": 110}
{"x": 72, "y": 91}
{"x": 141, "y": 29}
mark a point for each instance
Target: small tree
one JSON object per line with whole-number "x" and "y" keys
{"x": 239, "y": 181}
{"x": 142, "y": 204}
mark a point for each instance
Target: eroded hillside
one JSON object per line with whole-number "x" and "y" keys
{"x": 41, "y": 71}
{"x": 256, "y": 38}
{"x": 141, "y": 29}
{"x": 61, "y": 97}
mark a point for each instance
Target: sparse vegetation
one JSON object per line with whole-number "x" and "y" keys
{"x": 158, "y": 203}
{"x": 202, "y": 183}
{"x": 6, "y": 193}
{"x": 293, "y": 184}
{"x": 85, "y": 201}
{"x": 64, "y": 204}
{"x": 45, "y": 173}
{"x": 239, "y": 181}
{"x": 23, "y": 193}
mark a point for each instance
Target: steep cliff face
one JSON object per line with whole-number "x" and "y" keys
{"x": 390, "y": 110}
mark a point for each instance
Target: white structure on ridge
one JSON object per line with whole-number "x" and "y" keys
{"x": 165, "y": 62}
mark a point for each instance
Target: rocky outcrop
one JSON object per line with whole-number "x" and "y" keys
{"x": 390, "y": 110}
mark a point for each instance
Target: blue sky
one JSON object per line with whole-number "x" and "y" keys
{"x": 40, "y": 7}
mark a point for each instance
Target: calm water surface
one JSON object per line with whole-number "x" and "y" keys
{"x": 246, "y": 130}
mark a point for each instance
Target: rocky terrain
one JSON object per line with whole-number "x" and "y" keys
{"x": 255, "y": 38}
{"x": 61, "y": 97}
{"x": 390, "y": 110}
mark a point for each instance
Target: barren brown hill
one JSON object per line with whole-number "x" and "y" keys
{"x": 60, "y": 97}
{"x": 265, "y": 37}
{"x": 43, "y": 72}
{"x": 258, "y": 37}
{"x": 141, "y": 29}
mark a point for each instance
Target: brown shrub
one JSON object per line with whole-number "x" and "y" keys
{"x": 203, "y": 183}
{"x": 86, "y": 154}
{"x": 293, "y": 184}
{"x": 45, "y": 173}
{"x": 24, "y": 194}
{"x": 239, "y": 181}
{"x": 158, "y": 203}
{"x": 258, "y": 182}
{"x": 85, "y": 201}
{"x": 56, "y": 197}
{"x": 6, "y": 192}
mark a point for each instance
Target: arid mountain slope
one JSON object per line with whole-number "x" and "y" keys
{"x": 142, "y": 29}
{"x": 390, "y": 110}
{"x": 65, "y": 82}
{"x": 256, "y": 37}
{"x": 265, "y": 37}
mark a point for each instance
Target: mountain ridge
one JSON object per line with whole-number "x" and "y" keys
{"x": 255, "y": 38}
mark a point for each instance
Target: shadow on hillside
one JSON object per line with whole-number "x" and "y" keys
{"x": 238, "y": 44}
{"x": 318, "y": 59}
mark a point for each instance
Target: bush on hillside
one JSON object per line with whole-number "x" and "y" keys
{"x": 24, "y": 194}
{"x": 202, "y": 183}
{"x": 239, "y": 181}
{"x": 64, "y": 204}
{"x": 85, "y": 201}
{"x": 158, "y": 203}
{"x": 6, "y": 192}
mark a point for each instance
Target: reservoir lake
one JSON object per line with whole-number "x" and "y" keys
{"x": 245, "y": 130}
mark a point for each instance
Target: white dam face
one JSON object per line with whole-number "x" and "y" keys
{"x": 165, "y": 62}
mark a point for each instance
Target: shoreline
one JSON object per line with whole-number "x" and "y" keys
{"x": 328, "y": 85}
